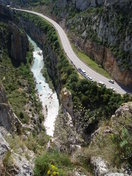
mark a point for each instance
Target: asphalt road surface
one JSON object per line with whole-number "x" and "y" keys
{"x": 74, "y": 58}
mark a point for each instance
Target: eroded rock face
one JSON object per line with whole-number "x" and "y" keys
{"x": 12, "y": 38}
{"x": 84, "y": 4}
{"x": 101, "y": 168}
{"x": 19, "y": 166}
{"x": 4, "y": 147}
{"x": 18, "y": 45}
{"x": 122, "y": 116}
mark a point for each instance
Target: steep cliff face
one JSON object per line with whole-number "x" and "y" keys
{"x": 12, "y": 37}
{"x": 17, "y": 45}
{"x": 7, "y": 118}
{"x": 84, "y": 4}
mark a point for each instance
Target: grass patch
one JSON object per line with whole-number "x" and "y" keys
{"x": 92, "y": 64}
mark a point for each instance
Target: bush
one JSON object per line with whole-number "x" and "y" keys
{"x": 123, "y": 143}
{"x": 51, "y": 162}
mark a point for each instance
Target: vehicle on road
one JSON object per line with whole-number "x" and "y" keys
{"x": 79, "y": 69}
{"x": 111, "y": 81}
{"x": 112, "y": 88}
{"x": 89, "y": 78}
{"x": 102, "y": 83}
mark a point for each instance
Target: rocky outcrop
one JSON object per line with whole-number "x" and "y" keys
{"x": 102, "y": 168}
{"x": 17, "y": 165}
{"x": 66, "y": 100}
{"x": 120, "y": 129}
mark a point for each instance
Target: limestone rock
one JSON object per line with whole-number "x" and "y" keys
{"x": 116, "y": 174}
{"x": 100, "y": 166}
{"x": 4, "y": 147}
{"x": 66, "y": 99}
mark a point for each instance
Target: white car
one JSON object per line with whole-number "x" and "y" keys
{"x": 112, "y": 88}
{"x": 100, "y": 82}
{"x": 84, "y": 71}
{"x": 89, "y": 78}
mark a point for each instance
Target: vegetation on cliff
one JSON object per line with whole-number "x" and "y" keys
{"x": 20, "y": 91}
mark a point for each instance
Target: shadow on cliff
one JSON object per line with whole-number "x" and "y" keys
{"x": 128, "y": 89}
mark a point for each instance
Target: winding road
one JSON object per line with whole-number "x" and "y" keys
{"x": 73, "y": 57}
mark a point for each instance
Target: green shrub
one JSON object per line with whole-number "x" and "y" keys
{"x": 123, "y": 142}
{"x": 44, "y": 163}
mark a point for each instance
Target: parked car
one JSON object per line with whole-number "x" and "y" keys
{"x": 111, "y": 81}
{"x": 89, "y": 78}
{"x": 79, "y": 69}
{"x": 102, "y": 83}
{"x": 112, "y": 88}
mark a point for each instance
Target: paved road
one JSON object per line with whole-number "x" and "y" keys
{"x": 72, "y": 56}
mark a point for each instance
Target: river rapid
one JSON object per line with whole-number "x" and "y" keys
{"x": 48, "y": 98}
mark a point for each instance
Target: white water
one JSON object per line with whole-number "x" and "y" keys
{"x": 46, "y": 95}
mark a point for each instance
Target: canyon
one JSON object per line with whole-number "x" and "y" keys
{"x": 80, "y": 128}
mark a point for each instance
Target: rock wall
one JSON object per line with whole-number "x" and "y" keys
{"x": 104, "y": 57}
{"x": 17, "y": 45}
{"x": 12, "y": 37}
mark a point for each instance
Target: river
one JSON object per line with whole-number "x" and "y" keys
{"x": 48, "y": 98}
